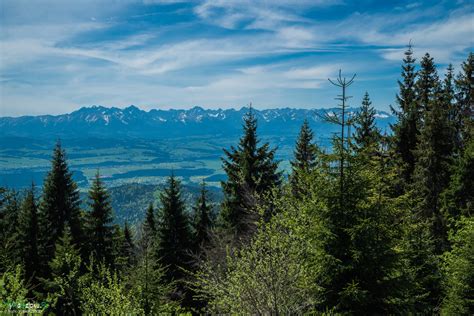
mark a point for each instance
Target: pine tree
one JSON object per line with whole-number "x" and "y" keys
{"x": 458, "y": 199}
{"x": 10, "y": 250}
{"x": 360, "y": 268}
{"x": 406, "y": 130}
{"x": 427, "y": 86}
{"x": 143, "y": 275}
{"x": 366, "y": 132}
{"x": 128, "y": 246}
{"x": 150, "y": 224}
{"x": 305, "y": 158}
{"x": 251, "y": 171}
{"x": 421, "y": 269}
{"x": 99, "y": 221}
{"x": 59, "y": 208}
{"x": 202, "y": 219}
{"x": 63, "y": 286}
{"x": 27, "y": 236}
{"x": 174, "y": 235}
{"x": 464, "y": 94}
{"x": 434, "y": 154}
{"x": 452, "y": 108}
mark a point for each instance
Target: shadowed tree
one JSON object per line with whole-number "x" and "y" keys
{"x": 59, "y": 207}
{"x": 406, "y": 130}
{"x": 99, "y": 222}
{"x": 174, "y": 235}
{"x": 202, "y": 219}
{"x": 27, "y": 236}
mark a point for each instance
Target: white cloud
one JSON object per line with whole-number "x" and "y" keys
{"x": 62, "y": 65}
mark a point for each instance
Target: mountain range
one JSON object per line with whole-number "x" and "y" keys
{"x": 99, "y": 121}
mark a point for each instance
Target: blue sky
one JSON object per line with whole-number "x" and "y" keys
{"x": 57, "y": 55}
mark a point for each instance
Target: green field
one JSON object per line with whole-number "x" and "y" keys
{"x": 125, "y": 161}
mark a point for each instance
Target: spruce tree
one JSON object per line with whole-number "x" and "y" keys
{"x": 428, "y": 85}
{"x": 59, "y": 208}
{"x": 464, "y": 94}
{"x": 361, "y": 263}
{"x": 251, "y": 171}
{"x": 406, "y": 130}
{"x": 99, "y": 220}
{"x": 366, "y": 132}
{"x": 452, "y": 108}
{"x": 150, "y": 223}
{"x": 305, "y": 158}
{"x": 10, "y": 252}
{"x": 146, "y": 279}
{"x": 434, "y": 154}
{"x": 421, "y": 269}
{"x": 202, "y": 219}
{"x": 28, "y": 235}
{"x": 174, "y": 235}
{"x": 144, "y": 275}
{"x": 63, "y": 286}
{"x": 458, "y": 199}
{"x": 128, "y": 246}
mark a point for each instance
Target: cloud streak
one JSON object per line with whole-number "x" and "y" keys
{"x": 212, "y": 53}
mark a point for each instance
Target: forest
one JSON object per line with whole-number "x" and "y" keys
{"x": 380, "y": 223}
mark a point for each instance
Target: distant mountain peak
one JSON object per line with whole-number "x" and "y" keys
{"x": 132, "y": 108}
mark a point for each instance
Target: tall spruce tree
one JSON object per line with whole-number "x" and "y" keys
{"x": 305, "y": 158}
{"x": 464, "y": 94}
{"x": 174, "y": 234}
{"x": 202, "y": 219}
{"x": 448, "y": 96}
{"x": 428, "y": 85}
{"x": 59, "y": 208}
{"x": 359, "y": 215}
{"x": 251, "y": 171}
{"x": 150, "y": 223}
{"x": 434, "y": 152}
{"x": 28, "y": 236}
{"x": 128, "y": 246}
{"x": 406, "y": 130}
{"x": 362, "y": 261}
{"x": 366, "y": 132}
{"x": 99, "y": 219}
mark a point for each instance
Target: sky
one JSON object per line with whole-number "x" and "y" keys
{"x": 57, "y": 56}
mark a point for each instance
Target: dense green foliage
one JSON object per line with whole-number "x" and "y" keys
{"x": 305, "y": 158}
{"x": 98, "y": 223}
{"x": 379, "y": 225}
{"x": 251, "y": 171}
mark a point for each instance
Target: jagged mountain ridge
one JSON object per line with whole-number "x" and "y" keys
{"x": 132, "y": 121}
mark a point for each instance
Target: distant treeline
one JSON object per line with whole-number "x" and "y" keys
{"x": 380, "y": 224}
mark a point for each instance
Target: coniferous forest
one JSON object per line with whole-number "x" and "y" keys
{"x": 379, "y": 224}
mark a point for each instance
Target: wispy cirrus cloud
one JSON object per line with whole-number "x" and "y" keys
{"x": 214, "y": 53}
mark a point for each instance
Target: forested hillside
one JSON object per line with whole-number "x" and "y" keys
{"x": 382, "y": 223}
